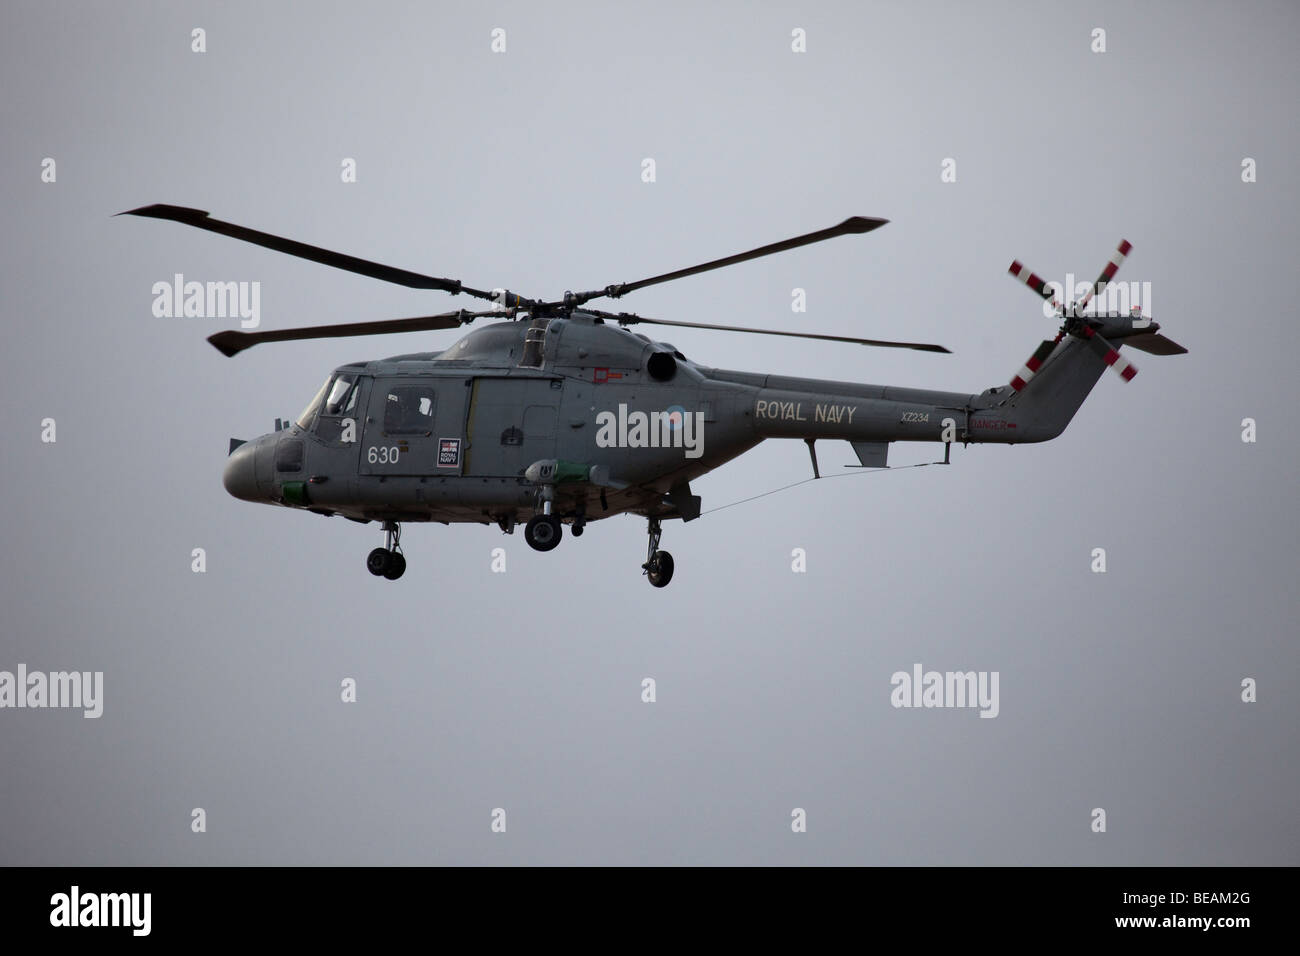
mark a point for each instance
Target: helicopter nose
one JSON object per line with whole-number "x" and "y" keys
{"x": 239, "y": 477}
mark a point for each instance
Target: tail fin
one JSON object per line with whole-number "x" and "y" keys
{"x": 1030, "y": 368}
{"x": 1060, "y": 376}
{"x": 1052, "y": 384}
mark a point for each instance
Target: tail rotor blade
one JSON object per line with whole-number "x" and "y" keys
{"x": 1110, "y": 355}
{"x": 1116, "y": 260}
{"x": 1031, "y": 367}
{"x": 1022, "y": 273}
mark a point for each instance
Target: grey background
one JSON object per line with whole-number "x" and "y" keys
{"x": 522, "y": 690}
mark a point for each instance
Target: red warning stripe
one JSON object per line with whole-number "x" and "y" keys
{"x": 1112, "y": 266}
{"x": 1031, "y": 367}
{"x": 1119, "y": 363}
{"x": 1030, "y": 279}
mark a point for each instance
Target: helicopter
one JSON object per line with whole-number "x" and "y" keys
{"x": 559, "y": 414}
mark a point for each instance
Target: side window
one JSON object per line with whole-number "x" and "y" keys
{"x": 409, "y": 410}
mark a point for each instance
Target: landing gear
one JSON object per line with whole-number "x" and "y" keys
{"x": 543, "y": 532}
{"x": 579, "y": 526}
{"x": 388, "y": 561}
{"x": 658, "y": 567}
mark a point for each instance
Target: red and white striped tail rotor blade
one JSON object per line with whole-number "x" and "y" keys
{"x": 1031, "y": 367}
{"x": 1116, "y": 260}
{"x": 1021, "y": 272}
{"x": 1110, "y": 355}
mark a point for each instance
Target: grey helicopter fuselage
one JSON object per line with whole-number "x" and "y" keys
{"x": 568, "y": 417}
{"x": 587, "y": 420}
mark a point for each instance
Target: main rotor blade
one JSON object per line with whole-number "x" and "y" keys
{"x": 375, "y": 270}
{"x": 854, "y": 224}
{"x": 231, "y": 342}
{"x": 628, "y": 318}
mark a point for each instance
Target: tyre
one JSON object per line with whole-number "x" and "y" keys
{"x": 661, "y": 569}
{"x": 543, "y": 532}
{"x": 377, "y": 562}
{"x": 396, "y": 566}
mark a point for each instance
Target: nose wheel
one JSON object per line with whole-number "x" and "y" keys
{"x": 658, "y": 567}
{"x": 388, "y": 561}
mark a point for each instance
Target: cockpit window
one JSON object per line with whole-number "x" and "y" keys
{"x": 308, "y": 413}
{"x": 343, "y": 395}
{"x": 333, "y": 405}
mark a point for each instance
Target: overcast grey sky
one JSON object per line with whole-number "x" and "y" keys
{"x": 523, "y": 690}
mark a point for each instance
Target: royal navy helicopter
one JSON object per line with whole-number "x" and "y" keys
{"x": 560, "y": 415}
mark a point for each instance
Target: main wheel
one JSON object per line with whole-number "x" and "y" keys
{"x": 396, "y": 566}
{"x": 377, "y": 562}
{"x": 661, "y": 569}
{"x": 543, "y": 532}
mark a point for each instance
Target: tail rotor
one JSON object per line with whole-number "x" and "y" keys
{"x": 1075, "y": 323}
